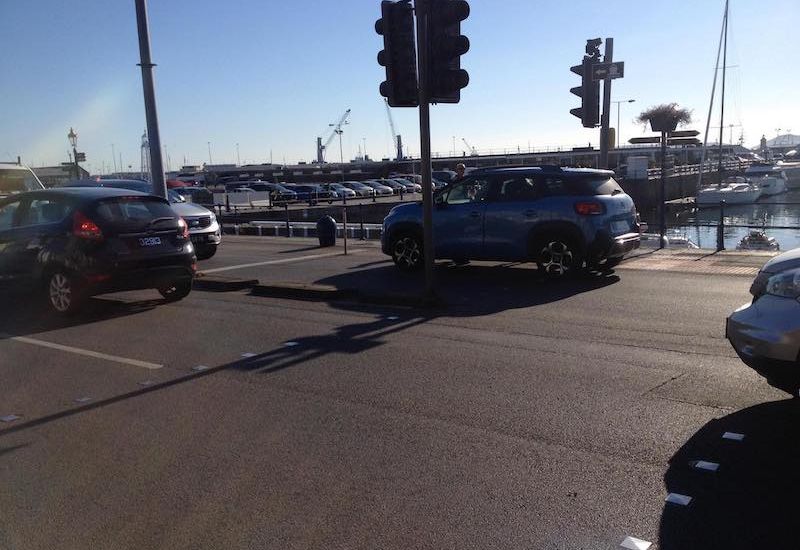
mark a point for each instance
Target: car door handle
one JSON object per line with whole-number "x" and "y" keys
{"x": 530, "y": 213}
{"x": 475, "y": 214}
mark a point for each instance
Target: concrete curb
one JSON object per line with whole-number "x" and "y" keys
{"x": 213, "y": 283}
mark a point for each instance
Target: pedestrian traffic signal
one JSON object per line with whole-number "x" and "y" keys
{"x": 447, "y": 45}
{"x": 589, "y": 90}
{"x": 399, "y": 54}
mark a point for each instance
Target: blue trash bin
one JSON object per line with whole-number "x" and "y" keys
{"x": 326, "y": 231}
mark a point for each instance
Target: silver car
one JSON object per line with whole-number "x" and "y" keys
{"x": 766, "y": 332}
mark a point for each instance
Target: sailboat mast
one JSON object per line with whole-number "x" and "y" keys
{"x": 711, "y": 105}
{"x": 722, "y": 99}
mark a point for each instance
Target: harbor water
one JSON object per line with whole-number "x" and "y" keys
{"x": 778, "y": 216}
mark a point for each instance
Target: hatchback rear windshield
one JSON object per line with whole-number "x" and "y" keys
{"x": 134, "y": 212}
{"x": 581, "y": 186}
{"x": 17, "y": 181}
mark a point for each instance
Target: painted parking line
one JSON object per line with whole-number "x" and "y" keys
{"x": 632, "y": 543}
{"x": 84, "y": 352}
{"x": 274, "y": 262}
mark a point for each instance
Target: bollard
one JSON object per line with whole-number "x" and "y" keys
{"x": 227, "y": 203}
{"x": 401, "y": 192}
{"x": 361, "y": 212}
{"x": 344, "y": 228}
{"x": 374, "y": 195}
{"x": 721, "y": 227}
{"x": 286, "y": 207}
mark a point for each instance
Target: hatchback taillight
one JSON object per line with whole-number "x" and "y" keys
{"x": 589, "y": 208}
{"x": 84, "y": 228}
{"x": 183, "y": 228}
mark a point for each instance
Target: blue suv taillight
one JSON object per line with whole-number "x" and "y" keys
{"x": 589, "y": 208}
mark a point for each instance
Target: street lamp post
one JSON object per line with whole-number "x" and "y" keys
{"x": 618, "y": 109}
{"x": 73, "y": 141}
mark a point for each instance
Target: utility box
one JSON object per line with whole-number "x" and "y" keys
{"x": 637, "y": 168}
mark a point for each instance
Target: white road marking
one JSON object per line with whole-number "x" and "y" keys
{"x": 733, "y": 436}
{"x": 146, "y": 383}
{"x": 86, "y": 352}
{"x": 679, "y": 499}
{"x": 83, "y": 400}
{"x": 274, "y": 262}
{"x": 709, "y": 466}
{"x": 9, "y": 418}
{"x": 392, "y": 318}
{"x": 632, "y": 543}
{"x": 290, "y": 344}
{"x": 248, "y": 355}
{"x": 199, "y": 368}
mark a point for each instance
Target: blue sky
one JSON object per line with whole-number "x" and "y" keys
{"x": 271, "y": 75}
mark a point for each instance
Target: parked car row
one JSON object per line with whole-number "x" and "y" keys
{"x": 314, "y": 192}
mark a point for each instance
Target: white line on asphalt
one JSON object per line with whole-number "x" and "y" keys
{"x": 632, "y": 543}
{"x": 248, "y": 355}
{"x": 9, "y": 418}
{"x": 274, "y": 262}
{"x": 290, "y": 344}
{"x": 679, "y": 499}
{"x": 199, "y": 368}
{"x": 83, "y": 400}
{"x": 708, "y": 466}
{"x": 733, "y": 436}
{"x": 146, "y": 383}
{"x": 85, "y": 352}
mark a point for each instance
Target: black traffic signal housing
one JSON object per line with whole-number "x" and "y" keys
{"x": 399, "y": 54}
{"x": 589, "y": 90}
{"x": 447, "y": 45}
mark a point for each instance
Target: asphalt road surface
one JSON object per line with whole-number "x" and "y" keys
{"x": 533, "y": 416}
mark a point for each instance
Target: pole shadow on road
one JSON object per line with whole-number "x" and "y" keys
{"x": 751, "y": 501}
{"x": 471, "y": 290}
{"x": 347, "y": 339}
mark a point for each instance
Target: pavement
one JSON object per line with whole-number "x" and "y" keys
{"x": 515, "y": 414}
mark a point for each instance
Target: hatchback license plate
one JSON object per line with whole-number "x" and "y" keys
{"x": 150, "y": 241}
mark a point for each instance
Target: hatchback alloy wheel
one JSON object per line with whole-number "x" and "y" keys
{"x": 62, "y": 296}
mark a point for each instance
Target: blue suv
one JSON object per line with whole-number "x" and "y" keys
{"x": 560, "y": 218}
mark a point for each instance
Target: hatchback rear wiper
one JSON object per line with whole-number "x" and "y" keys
{"x": 162, "y": 219}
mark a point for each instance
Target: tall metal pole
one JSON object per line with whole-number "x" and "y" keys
{"x": 662, "y": 203}
{"x": 722, "y": 98}
{"x": 423, "y": 12}
{"x": 156, "y": 163}
{"x": 604, "y": 121}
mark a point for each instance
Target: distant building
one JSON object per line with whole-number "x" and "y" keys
{"x": 52, "y": 176}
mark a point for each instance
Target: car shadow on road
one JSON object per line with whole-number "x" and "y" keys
{"x": 469, "y": 290}
{"x": 751, "y": 501}
{"x": 25, "y": 314}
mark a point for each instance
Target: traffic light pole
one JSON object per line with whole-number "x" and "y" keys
{"x": 423, "y": 18}
{"x": 604, "y": 121}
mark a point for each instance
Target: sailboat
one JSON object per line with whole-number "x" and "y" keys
{"x": 734, "y": 190}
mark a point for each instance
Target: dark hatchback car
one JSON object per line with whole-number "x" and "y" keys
{"x": 72, "y": 243}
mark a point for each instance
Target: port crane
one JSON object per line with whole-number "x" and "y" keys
{"x": 397, "y": 140}
{"x": 472, "y": 150}
{"x": 337, "y": 130}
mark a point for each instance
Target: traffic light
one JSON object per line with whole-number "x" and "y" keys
{"x": 399, "y": 54}
{"x": 589, "y": 90}
{"x": 447, "y": 45}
